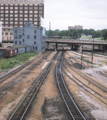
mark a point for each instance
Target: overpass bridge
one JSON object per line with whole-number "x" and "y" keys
{"x": 74, "y": 44}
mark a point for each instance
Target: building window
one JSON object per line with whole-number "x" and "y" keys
{"x": 25, "y": 19}
{"x": 16, "y": 15}
{"x": 15, "y": 42}
{"x": 34, "y": 31}
{"x": 6, "y": 18}
{"x": 11, "y": 33}
{"x": 16, "y": 18}
{"x": 23, "y": 34}
{"x": 16, "y": 12}
{"x": 11, "y": 15}
{"x": 23, "y": 40}
{"x": 34, "y": 42}
{"x": 21, "y": 18}
{"x": 30, "y": 15}
{"x": 30, "y": 11}
{"x": 35, "y": 19}
{"x": 35, "y": 15}
{"x": 35, "y": 11}
{"x": 20, "y": 42}
{"x": 11, "y": 11}
{"x": 26, "y": 15}
{"x": 6, "y": 33}
{"x": 36, "y": 48}
{"x": 19, "y": 31}
{"x": 6, "y": 15}
{"x": 20, "y": 36}
{"x": 40, "y": 12}
{"x": 2, "y": 11}
{"x": 15, "y": 37}
{"x": 30, "y": 19}
{"x": 28, "y": 36}
{"x": 21, "y": 7}
{"x": 11, "y": 18}
{"x": 40, "y": 8}
{"x": 11, "y": 7}
{"x": 35, "y": 37}
{"x": 21, "y": 11}
{"x": 21, "y": 15}
{"x": 35, "y": 7}
{"x": 25, "y": 11}
{"x": 15, "y": 31}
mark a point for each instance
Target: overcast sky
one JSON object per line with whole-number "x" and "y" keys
{"x": 64, "y": 13}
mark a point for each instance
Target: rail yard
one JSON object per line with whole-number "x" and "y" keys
{"x": 56, "y": 85}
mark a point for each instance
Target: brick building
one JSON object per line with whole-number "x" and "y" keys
{"x": 13, "y": 13}
{"x": 78, "y": 27}
{"x": 0, "y": 32}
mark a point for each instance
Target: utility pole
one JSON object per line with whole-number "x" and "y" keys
{"x": 81, "y": 55}
{"x": 92, "y": 51}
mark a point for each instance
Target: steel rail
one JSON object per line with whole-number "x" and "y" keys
{"x": 69, "y": 102}
{"x": 88, "y": 89}
{"x": 13, "y": 72}
{"x": 14, "y": 81}
{"x": 85, "y": 64}
{"x": 29, "y": 97}
{"x": 103, "y": 88}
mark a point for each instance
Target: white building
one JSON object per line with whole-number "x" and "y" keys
{"x": 0, "y": 32}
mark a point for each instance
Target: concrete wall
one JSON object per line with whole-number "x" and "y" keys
{"x": 20, "y": 50}
{"x": 0, "y": 32}
{"x": 28, "y": 49}
{"x": 1, "y": 53}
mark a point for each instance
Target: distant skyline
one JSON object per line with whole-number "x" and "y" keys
{"x": 64, "y": 13}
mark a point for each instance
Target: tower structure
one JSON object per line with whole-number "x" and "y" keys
{"x": 14, "y": 13}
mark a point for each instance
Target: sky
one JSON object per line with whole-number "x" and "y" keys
{"x": 64, "y": 13}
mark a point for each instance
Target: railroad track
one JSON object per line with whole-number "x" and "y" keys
{"x": 25, "y": 105}
{"x": 103, "y": 88}
{"x": 17, "y": 70}
{"x": 84, "y": 64}
{"x": 14, "y": 81}
{"x": 102, "y": 73}
{"x": 73, "y": 109}
{"x": 93, "y": 87}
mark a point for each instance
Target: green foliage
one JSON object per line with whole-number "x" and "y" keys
{"x": 104, "y": 34}
{"x": 74, "y": 34}
{"x": 17, "y": 60}
{"x": 87, "y": 60}
{"x": 0, "y": 44}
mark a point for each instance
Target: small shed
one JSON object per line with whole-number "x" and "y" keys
{"x": 2, "y": 49}
{"x": 23, "y": 49}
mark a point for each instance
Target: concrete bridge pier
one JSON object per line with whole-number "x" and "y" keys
{"x": 74, "y": 47}
{"x": 56, "y": 46}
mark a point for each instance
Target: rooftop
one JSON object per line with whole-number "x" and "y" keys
{"x": 21, "y": 1}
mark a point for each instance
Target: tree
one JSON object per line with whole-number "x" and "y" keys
{"x": 104, "y": 34}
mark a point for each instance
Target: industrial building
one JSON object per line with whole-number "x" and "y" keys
{"x": 76, "y": 27}
{"x": 13, "y": 13}
{"x": 28, "y": 38}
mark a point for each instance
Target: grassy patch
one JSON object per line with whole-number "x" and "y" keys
{"x": 17, "y": 60}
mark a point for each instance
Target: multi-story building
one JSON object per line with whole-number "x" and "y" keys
{"x": 78, "y": 27}
{"x": 0, "y": 32}
{"x": 13, "y": 13}
{"x": 28, "y": 38}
